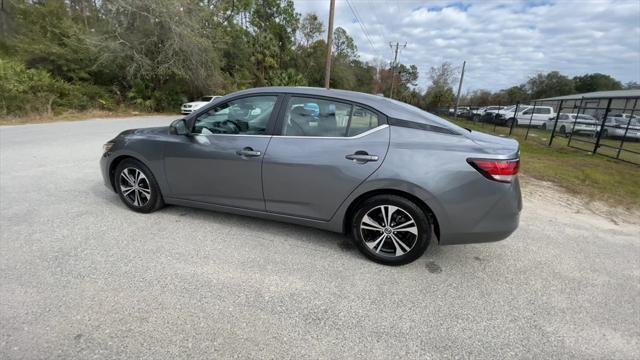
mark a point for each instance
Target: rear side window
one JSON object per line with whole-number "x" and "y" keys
{"x": 308, "y": 116}
{"x": 362, "y": 120}
{"x": 544, "y": 111}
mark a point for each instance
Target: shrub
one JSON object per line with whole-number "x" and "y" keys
{"x": 34, "y": 91}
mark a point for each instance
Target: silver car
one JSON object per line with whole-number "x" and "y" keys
{"x": 391, "y": 175}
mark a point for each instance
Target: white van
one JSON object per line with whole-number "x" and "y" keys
{"x": 534, "y": 116}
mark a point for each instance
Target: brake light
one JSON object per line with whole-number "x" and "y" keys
{"x": 498, "y": 170}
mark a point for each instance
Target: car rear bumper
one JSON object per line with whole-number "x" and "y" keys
{"x": 497, "y": 223}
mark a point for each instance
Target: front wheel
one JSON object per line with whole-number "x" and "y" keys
{"x": 391, "y": 230}
{"x": 137, "y": 187}
{"x": 511, "y": 122}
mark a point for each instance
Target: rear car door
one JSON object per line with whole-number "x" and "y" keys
{"x": 220, "y": 163}
{"x": 325, "y": 149}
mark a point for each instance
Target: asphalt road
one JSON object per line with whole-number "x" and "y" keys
{"x": 82, "y": 277}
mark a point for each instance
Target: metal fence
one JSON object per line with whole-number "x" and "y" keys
{"x": 604, "y": 126}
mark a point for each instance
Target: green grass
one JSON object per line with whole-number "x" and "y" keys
{"x": 594, "y": 177}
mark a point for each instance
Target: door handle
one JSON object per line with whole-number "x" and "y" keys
{"x": 248, "y": 152}
{"x": 361, "y": 157}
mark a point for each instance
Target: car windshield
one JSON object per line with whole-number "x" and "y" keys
{"x": 206, "y": 98}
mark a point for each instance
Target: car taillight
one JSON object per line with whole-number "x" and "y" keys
{"x": 498, "y": 170}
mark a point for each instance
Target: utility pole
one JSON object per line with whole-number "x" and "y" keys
{"x": 455, "y": 111}
{"x": 327, "y": 66}
{"x": 395, "y": 63}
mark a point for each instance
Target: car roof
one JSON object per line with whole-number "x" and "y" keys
{"x": 389, "y": 107}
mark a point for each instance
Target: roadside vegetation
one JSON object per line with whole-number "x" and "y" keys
{"x": 70, "y": 56}
{"x": 594, "y": 177}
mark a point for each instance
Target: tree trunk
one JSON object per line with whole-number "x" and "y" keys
{"x": 50, "y": 106}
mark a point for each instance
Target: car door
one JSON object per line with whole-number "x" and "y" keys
{"x": 321, "y": 156}
{"x": 525, "y": 117}
{"x": 220, "y": 162}
{"x": 540, "y": 116}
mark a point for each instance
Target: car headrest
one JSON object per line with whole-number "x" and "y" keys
{"x": 301, "y": 111}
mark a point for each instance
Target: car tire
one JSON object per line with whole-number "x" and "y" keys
{"x": 137, "y": 187}
{"x": 544, "y": 126}
{"x": 399, "y": 240}
{"x": 563, "y": 130}
{"x": 511, "y": 121}
{"x": 605, "y": 133}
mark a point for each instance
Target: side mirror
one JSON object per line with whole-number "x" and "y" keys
{"x": 179, "y": 127}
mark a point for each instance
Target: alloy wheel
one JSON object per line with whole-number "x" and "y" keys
{"x": 135, "y": 186}
{"x": 389, "y": 230}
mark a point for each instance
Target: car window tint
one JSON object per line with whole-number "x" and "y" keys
{"x": 543, "y": 111}
{"x": 362, "y": 120}
{"x": 248, "y": 116}
{"x": 316, "y": 117}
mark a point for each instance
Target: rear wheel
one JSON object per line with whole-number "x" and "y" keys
{"x": 391, "y": 230}
{"x": 563, "y": 130}
{"x": 137, "y": 187}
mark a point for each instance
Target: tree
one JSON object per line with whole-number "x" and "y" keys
{"x": 632, "y": 85}
{"x": 440, "y": 92}
{"x": 344, "y": 47}
{"x": 310, "y": 29}
{"x": 548, "y": 85}
{"x": 596, "y": 82}
{"x": 162, "y": 56}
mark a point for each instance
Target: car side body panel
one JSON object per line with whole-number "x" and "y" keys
{"x": 311, "y": 176}
{"x": 424, "y": 161}
{"x": 468, "y": 207}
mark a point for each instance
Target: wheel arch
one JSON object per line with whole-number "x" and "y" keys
{"x": 346, "y": 223}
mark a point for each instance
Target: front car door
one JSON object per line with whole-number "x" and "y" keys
{"x": 220, "y": 163}
{"x": 325, "y": 149}
{"x": 525, "y": 117}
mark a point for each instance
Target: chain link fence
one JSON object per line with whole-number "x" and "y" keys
{"x": 608, "y": 126}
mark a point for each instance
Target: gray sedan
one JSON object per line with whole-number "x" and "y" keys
{"x": 391, "y": 175}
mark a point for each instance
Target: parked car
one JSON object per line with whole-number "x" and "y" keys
{"x": 625, "y": 117}
{"x": 392, "y": 176}
{"x": 573, "y": 123}
{"x": 622, "y": 126}
{"x": 478, "y": 114}
{"x": 506, "y": 115}
{"x": 188, "y": 108}
{"x": 534, "y": 116}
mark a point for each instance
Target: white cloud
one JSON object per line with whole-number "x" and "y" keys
{"x": 503, "y": 42}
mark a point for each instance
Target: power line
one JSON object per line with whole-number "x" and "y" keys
{"x": 363, "y": 27}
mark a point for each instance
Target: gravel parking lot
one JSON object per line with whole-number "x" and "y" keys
{"x": 81, "y": 276}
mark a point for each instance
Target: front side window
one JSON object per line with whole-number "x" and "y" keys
{"x": 248, "y": 116}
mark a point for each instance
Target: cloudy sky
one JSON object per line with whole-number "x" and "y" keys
{"x": 503, "y": 42}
